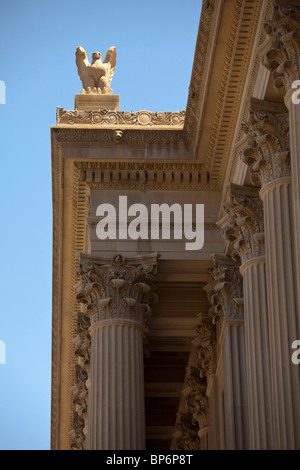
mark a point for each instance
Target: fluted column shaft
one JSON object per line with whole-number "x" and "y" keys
{"x": 245, "y": 230}
{"x": 116, "y": 296}
{"x": 282, "y": 305}
{"x": 235, "y": 389}
{"x": 260, "y": 411}
{"x": 225, "y": 293}
{"x": 116, "y": 415}
{"x": 294, "y": 124}
{"x": 283, "y": 61}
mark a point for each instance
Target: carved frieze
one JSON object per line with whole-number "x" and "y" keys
{"x": 154, "y": 135}
{"x": 104, "y": 117}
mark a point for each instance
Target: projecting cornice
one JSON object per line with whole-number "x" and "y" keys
{"x": 225, "y": 71}
{"x": 224, "y": 75}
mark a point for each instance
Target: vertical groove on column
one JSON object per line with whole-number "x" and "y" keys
{"x": 235, "y": 391}
{"x": 116, "y": 396}
{"x": 236, "y": 387}
{"x": 282, "y": 292}
{"x": 228, "y": 395}
{"x": 106, "y": 386}
{"x": 113, "y": 372}
{"x": 258, "y": 360}
{"x": 294, "y": 116}
{"x": 243, "y": 385}
{"x": 120, "y": 425}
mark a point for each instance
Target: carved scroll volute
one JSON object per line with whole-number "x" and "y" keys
{"x": 283, "y": 56}
{"x": 117, "y": 290}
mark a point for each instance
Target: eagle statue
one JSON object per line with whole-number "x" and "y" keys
{"x": 96, "y": 77}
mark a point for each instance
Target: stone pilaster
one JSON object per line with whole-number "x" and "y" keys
{"x": 270, "y": 161}
{"x": 186, "y": 435}
{"x": 82, "y": 345}
{"x": 116, "y": 296}
{"x": 246, "y": 233}
{"x": 193, "y": 424}
{"x": 283, "y": 60}
{"x": 228, "y": 308}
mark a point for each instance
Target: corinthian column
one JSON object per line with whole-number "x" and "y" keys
{"x": 283, "y": 60}
{"x": 269, "y": 160}
{"x": 227, "y": 301}
{"x": 245, "y": 231}
{"x": 116, "y": 297}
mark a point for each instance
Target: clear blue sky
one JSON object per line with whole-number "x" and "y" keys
{"x": 155, "y": 43}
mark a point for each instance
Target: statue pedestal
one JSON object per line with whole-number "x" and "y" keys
{"x": 94, "y": 102}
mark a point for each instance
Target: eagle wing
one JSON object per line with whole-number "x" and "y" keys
{"x": 81, "y": 62}
{"x": 110, "y": 60}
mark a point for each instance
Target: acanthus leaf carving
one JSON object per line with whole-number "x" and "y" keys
{"x": 117, "y": 290}
{"x": 227, "y": 283}
{"x": 267, "y": 152}
{"x": 245, "y": 226}
{"x": 283, "y": 56}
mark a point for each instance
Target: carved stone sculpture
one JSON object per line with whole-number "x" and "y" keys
{"x": 97, "y": 75}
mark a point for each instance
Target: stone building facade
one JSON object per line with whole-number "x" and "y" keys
{"x": 160, "y": 347}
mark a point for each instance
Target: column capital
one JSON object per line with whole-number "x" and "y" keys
{"x": 283, "y": 56}
{"x": 245, "y": 225}
{"x": 227, "y": 297}
{"x": 268, "y": 148}
{"x": 119, "y": 288}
